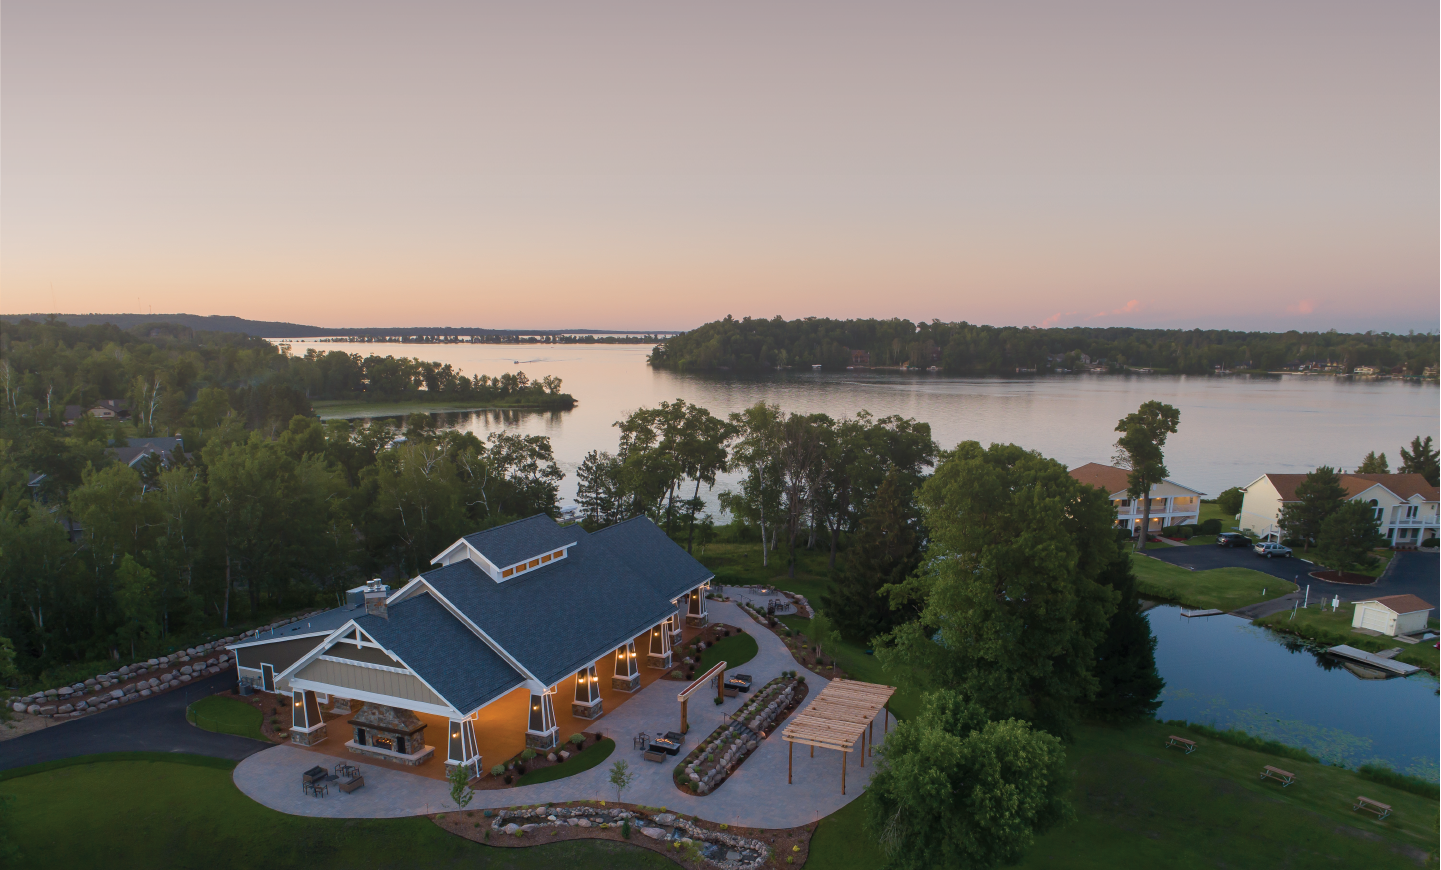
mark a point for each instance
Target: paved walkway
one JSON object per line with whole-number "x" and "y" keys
{"x": 155, "y": 724}
{"x": 755, "y": 795}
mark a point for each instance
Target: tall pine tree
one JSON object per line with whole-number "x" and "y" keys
{"x": 1125, "y": 670}
{"x": 885, "y": 551}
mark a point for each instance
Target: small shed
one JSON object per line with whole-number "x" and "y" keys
{"x": 1392, "y": 615}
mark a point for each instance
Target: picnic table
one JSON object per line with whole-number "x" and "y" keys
{"x": 1188, "y": 745}
{"x": 1364, "y": 803}
{"x": 1285, "y": 777}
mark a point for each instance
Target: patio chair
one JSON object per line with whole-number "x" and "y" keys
{"x": 319, "y": 789}
{"x": 642, "y": 740}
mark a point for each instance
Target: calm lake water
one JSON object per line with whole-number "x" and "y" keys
{"x": 1233, "y": 429}
{"x": 1226, "y": 672}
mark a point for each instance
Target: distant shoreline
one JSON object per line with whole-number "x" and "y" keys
{"x": 350, "y": 409}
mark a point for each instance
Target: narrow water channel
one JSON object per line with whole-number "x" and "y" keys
{"x": 1225, "y": 672}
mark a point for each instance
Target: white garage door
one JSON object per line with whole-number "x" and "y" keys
{"x": 1375, "y": 619}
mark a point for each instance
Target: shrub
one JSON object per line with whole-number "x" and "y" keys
{"x": 1210, "y": 527}
{"x": 509, "y": 779}
{"x": 719, "y": 701}
{"x": 1430, "y": 542}
{"x": 1387, "y": 776}
{"x": 625, "y": 829}
{"x": 577, "y": 739}
{"x": 498, "y": 770}
{"x": 527, "y": 754}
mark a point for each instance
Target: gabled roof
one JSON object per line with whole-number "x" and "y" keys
{"x": 442, "y": 651}
{"x": 1403, "y": 485}
{"x": 319, "y": 623}
{"x": 558, "y": 618}
{"x": 1110, "y": 478}
{"x": 1403, "y": 603}
{"x": 505, "y": 545}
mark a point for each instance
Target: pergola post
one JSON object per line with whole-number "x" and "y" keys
{"x": 844, "y": 756}
{"x": 872, "y": 728}
{"x": 684, "y": 725}
{"x": 790, "y": 760}
{"x": 863, "y": 749}
{"x": 720, "y": 684}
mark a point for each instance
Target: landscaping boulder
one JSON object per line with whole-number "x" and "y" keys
{"x": 654, "y": 833}
{"x": 18, "y": 707}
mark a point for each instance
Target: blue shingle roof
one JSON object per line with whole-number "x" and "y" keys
{"x": 442, "y": 651}
{"x": 327, "y": 621}
{"x": 613, "y": 585}
{"x": 505, "y": 545}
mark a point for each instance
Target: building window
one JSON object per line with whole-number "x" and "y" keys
{"x": 1412, "y": 511}
{"x": 507, "y": 572}
{"x": 545, "y": 558}
{"x": 533, "y": 563}
{"x": 1125, "y": 503}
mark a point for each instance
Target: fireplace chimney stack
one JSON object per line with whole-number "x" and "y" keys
{"x": 375, "y": 599}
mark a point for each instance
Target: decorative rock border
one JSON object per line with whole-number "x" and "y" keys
{"x": 708, "y": 766}
{"x": 716, "y": 848}
{"x": 125, "y": 685}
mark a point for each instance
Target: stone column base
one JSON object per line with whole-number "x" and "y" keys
{"x": 661, "y": 663}
{"x": 540, "y": 741}
{"x": 308, "y": 738}
{"x": 588, "y": 711}
{"x": 625, "y": 684}
{"x": 698, "y": 621}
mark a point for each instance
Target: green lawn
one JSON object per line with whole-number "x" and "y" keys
{"x": 226, "y": 716}
{"x": 1334, "y": 627}
{"x": 1201, "y": 540}
{"x": 588, "y": 758}
{"x": 1222, "y": 588}
{"x": 185, "y": 812}
{"x": 735, "y": 651}
{"x": 854, "y": 661}
{"x": 740, "y": 565}
{"x": 1141, "y": 805}
{"x": 1213, "y": 512}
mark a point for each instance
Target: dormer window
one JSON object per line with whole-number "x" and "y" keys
{"x": 532, "y": 564}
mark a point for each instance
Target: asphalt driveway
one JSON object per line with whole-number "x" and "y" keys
{"x": 156, "y": 724}
{"x": 1417, "y": 573}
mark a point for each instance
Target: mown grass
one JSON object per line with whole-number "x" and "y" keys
{"x": 735, "y": 651}
{"x": 175, "y": 813}
{"x": 588, "y": 758}
{"x": 1139, "y": 804}
{"x": 226, "y": 716}
{"x": 1221, "y": 588}
{"x": 1332, "y": 627}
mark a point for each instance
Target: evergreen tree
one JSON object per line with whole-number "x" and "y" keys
{"x": 885, "y": 552}
{"x": 1317, "y": 497}
{"x": 1422, "y": 459}
{"x": 1128, "y": 683}
{"x": 1374, "y": 464}
{"x": 1230, "y": 501}
{"x": 1348, "y": 536}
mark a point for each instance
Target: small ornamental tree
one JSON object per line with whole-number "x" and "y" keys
{"x": 1348, "y": 536}
{"x": 460, "y": 791}
{"x": 957, "y": 791}
{"x": 621, "y": 777}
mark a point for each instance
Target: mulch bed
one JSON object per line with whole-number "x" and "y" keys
{"x": 1343, "y": 577}
{"x": 492, "y": 783}
{"x": 475, "y": 825}
{"x": 269, "y": 709}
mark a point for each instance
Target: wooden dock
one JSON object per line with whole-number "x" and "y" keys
{"x": 1372, "y": 660}
{"x": 1192, "y": 614}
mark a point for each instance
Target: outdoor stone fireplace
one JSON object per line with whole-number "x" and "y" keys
{"x": 389, "y": 733}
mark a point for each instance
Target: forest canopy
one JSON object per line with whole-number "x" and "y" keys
{"x": 966, "y": 348}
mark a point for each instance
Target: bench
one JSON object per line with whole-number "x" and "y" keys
{"x": 1364, "y": 803}
{"x": 352, "y": 784}
{"x": 653, "y": 755}
{"x": 1276, "y": 773}
{"x": 1188, "y": 745}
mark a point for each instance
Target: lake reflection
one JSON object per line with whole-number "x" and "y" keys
{"x": 1226, "y": 672}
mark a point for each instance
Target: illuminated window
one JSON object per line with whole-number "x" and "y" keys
{"x": 533, "y": 563}
{"x": 545, "y": 558}
{"x": 507, "y": 572}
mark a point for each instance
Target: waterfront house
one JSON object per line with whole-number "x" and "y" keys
{"x": 1392, "y": 615}
{"x": 512, "y": 622}
{"x": 1405, "y": 505}
{"x": 1171, "y": 503}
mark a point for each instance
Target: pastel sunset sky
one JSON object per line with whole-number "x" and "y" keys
{"x": 636, "y": 165}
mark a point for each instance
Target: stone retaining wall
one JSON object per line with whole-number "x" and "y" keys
{"x": 125, "y": 685}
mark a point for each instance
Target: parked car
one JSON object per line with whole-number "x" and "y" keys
{"x": 1232, "y": 539}
{"x": 1272, "y": 551}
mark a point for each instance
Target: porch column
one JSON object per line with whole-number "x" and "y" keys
{"x": 696, "y": 611}
{"x": 587, "y": 702}
{"x": 541, "y": 730}
{"x": 627, "y": 669}
{"x": 660, "y": 654}
{"x": 463, "y": 748}
{"x": 673, "y": 624}
{"x": 307, "y": 726}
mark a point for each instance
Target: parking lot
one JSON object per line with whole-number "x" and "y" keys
{"x": 1416, "y": 574}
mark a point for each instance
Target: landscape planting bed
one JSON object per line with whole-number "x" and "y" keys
{"x": 708, "y": 766}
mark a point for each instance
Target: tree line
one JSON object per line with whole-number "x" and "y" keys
{"x": 169, "y": 375}
{"x": 750, "y": 345}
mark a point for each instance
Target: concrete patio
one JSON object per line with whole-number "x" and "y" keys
{"x": 756, "y": 795}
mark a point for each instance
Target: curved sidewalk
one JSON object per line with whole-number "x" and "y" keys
{"x": 756, "y": 795}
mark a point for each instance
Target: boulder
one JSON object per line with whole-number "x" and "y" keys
{"x": 92, "y": 682}
{"x": 510, "y": 828}
{"x": 18, "y": 707}
{"x": 665, "y": 819}
{"x": 654, "y": 833}
{"x": 185, "y": 670}
{"x": 33, "y": 709}
{"x": 184, "y": 678}
{"x": 153, "y": 662}
{"x": 145, "y": 693}
{"x": 583, "y": 823}
{"x": 47, "y": 710}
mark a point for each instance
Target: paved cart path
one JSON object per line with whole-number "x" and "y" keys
{"x": 155, "y": 724}
{"x": 755, "y": 795}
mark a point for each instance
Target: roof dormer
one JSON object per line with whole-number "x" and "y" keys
{"x": 512, "y": 549}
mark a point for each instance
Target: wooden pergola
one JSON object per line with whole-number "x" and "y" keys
{"x": 718, "y": 671}
{"x": 845, "y": 711}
